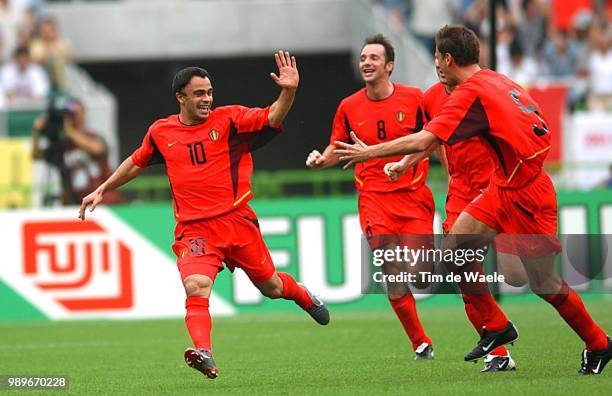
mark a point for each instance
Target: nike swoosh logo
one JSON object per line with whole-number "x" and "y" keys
{"x": 596, "y": 370}
{"x": 488, "y": 346}
{"x": 361, "y": 123}
{"x": 172, "y": 144}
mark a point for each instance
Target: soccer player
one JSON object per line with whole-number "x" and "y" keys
{"x": 380, "y": 112}
{"x": 520, "y": 198}
{"x": 469, "y": 170}
{"x": 207, "y": 156}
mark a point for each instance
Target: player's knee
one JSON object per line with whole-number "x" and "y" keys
{"x": 544, "y": 287}
{"x": 449, "y": 242}
{"x": 272, "y": 288}
{"x": 197, "y": 285}
{"x": 272, "y": 291}
{"x": 515, "y": 280}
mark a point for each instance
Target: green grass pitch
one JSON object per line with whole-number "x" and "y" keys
{"x": 358, "y": 353}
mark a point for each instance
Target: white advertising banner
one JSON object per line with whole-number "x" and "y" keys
{"x": 590, "y": 153}
{"x": 75, "y": 269}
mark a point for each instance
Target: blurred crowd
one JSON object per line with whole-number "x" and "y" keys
{"x": 33, "y": 61}
{"x": 568, "y": 41}
{"x": 33, "y": 54}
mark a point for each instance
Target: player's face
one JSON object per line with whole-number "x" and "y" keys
{"x": 439, "y": 72}
{"x": 373, "y": 64}
{"x": 442, "y": 62}
{"x": 196, "y": 99}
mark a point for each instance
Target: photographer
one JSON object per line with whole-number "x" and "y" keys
{"x": 78, "y": 155}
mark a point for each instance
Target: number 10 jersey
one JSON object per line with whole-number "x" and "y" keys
{"x": 209, "y": 165}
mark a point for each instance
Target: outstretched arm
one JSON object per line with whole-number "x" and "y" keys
{"x": 288, "y": 79}
{"x": 316, "y": 160}
{"x": 360, "y": 152}
{"x": 123, "y": 174}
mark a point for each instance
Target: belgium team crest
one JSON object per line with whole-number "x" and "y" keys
{"x": 214, "y": 135}
{"x": 400, "y": 116}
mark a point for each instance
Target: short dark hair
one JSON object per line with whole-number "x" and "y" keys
{"x": 49, "y": 19}
{"x": 385, "y": 42}
{"x": 459, "y": 41}
{"x": 182, "y": 77}
{"x": 21, "y": 50}
{"x": 516, "y": 48}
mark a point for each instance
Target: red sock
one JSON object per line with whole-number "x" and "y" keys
{"x": 472, "y": 314}
{"x": 293, "y": 291}
{"x": 492, "y": 316}
{"x": 198, "y": 321}
{"x": 478, "y": 324}
{"x": 405, "y": 309}
{"x": 480, "y": 298}
{"x": 569, "y": 305}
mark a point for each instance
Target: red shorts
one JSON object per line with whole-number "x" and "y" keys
{"x": 529, "y": 211}
{"x": 395, "y": 213}
{"x": 233, "y": 238}
{"x": 454, "y": 206}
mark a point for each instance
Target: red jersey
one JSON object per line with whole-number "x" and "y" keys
{"x": 469, "y": 164}
{"x": 375, "y": 121}
{"x": 209, "y": 165}
{"x": 492, "y": 106}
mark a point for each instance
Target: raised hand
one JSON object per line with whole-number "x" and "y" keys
{"x": 288, "y": 76}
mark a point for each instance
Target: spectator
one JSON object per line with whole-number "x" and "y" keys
{"x": 522, "y": 69}
{"x": 22, "y": 80}
{"x": 560, "y": 55}
{"x": 504, "y": 38}
{"x": 562, "y": 61}
{"x": 477, "y": 19}
{"x": 80, "y": 156}
{"x": 427, "y": 17}
{"x": 532, "y": 28}
{"x": 53, "y": 52}
{"x": 9, "y": 26}
{"x": 398, "y": 10}
{"x": 27, "y": 28}
{"x": 475, "y": 14}
{"x": 600, "y": 71}
{"x": 581, "y": 27}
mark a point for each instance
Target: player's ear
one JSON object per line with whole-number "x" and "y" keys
{"x": 179, "y": 97}
{"x": 448, "y": 59}
{"x": 389, "y": 67}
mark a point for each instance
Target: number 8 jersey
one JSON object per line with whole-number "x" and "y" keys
{"x": 379, "y": 121}
{"x": 490, "y": 105}
{"x": 209, "y": 165}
